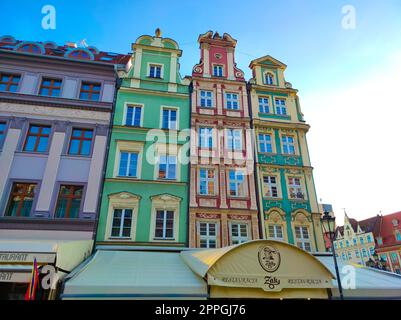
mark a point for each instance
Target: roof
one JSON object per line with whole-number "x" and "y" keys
{"x": 368, "y": 225}
{"x": 389, "y": 223}
{"x": 134, "y": 274}
{"x": 51, "y": 49}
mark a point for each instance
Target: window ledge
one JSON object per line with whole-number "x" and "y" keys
{"x": 30, "y": 153}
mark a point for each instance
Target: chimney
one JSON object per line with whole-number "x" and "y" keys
{"x": 71, "y": 44}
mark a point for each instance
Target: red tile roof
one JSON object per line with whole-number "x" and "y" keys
{"x": 389, "y": 224}
{"x": 49, "y": 48}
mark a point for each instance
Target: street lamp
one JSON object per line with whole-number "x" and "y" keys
{"x": 328, "y": 225}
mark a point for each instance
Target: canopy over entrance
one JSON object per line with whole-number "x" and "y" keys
{"x": 261, "y": 269}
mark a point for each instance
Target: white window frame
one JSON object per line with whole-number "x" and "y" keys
{"x": 303, "y": 240}
{"x": 298, "y": 188}
{"x": 281, "y": 109}
{"x": 270, "y": 185}
{"x": 205, "y": 98}
{"x": 121, "y": 227}
{"x": 130, "y": 153}
{"x": 221, "y": 70}
{"x": 150, "y": 64}
{"x": 205, "y": 133}
{"x": 287, "y": 145}
{"x": 168, "y": 157}
{"x": 206, "y": 180}
{"x": 272, "y": 78}
{"x": 133, "y": 105}
{"x": 237, "y": 182}
{"x": 164, "y": 225}
{"x": 233, "y": 136}
{"x": 275, "y": 232}
{"x": 239, "y": 238}
{"x": 263, "y": 105}
{"x": 208, "y": 237}
{"x": 169, "y": 126}
{"x": 265, "y": 142}
{"x": 232, "y": 100}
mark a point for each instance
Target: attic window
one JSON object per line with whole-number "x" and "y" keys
{"x": 269, "y": 78}
{"x": 7, "y": 40}
{"x": 79, "y": 54}
{"x": 30, "y": 47}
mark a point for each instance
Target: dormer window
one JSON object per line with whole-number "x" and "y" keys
{"x": 155, "y": 71}
{"x": 30, "y": 47}
{"x": 269, "y": 78}
{"x": 218, "y": 70}
{"x": 79, "y": 54}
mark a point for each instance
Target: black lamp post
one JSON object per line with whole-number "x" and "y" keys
{"x": 328, "y": 225}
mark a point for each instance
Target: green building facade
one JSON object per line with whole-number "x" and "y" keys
{"x": 145, "y": 194}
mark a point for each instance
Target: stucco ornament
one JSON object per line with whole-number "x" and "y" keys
{"x": 269, "y": 258}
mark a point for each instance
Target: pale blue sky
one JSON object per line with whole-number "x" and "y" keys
{"x": 344, "y": 77}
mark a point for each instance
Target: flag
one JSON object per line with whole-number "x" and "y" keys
{"x": 33, "y": 283}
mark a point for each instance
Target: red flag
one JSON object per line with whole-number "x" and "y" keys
{"x": 33, "y": 283}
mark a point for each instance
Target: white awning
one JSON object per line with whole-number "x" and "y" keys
{"x": 361, "y": 282}
{"x": 17, "y": 256}
{"x": 135, "y": 275}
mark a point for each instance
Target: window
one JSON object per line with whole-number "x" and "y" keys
{"x": 349, "y": 255}
{"x": 218, "y": 70}
{"x": 21, "y": 199}
{"x": 207, "y": 234}
{"x": 155, "y": 71}
{"x": 9, "y": 82}
{"x": 232, "y": 101}
{"x": 37, "y": 138}
{"x": 237, "y": 183}
{"x": 357, "y": 253}
{"x": 394, "y": 258}
{"x": 206, "y": 99}
{"x": 270, "y": 186}
{"x": 397, "y": 234}
{"x": 341, "y": 244}
{"x": 361, "y": 240}
{"x": 276, "y": 231}
{"x": 133, "y": 116}
{"x": 354, "y": 240}
{"x": 69, "y": 201}
{"x": 206, "y": 181}
{"x": 264, "y": 105}
{"x": 302, "y": 235}
{"x": 372, "y": 251}
{"x": 344, "y": 257}
{"x": 90, "y": 91}
{"x": 368, "y": 238}
{"x": 288, "y": 144}
{"x": 384, "y": 257}
{"x": 81, "y": 142}
{"x": 168, "y": 167}
{"x": 234, "y": 139}
{"x": 164, "y": 224}
{"x": 295, "y": 188}
{"x": 205, "y": 137}
{"x": 379, "y": 241}
{"x": 122, "y": 222}
{"x": 30, "y": 47}
{"x": 239, "y": 233}
{"x": 128, "y": 164}
{"x": 269, "y": 78}
{"x": 346, "y": 243}
{"x": 2, "y": 133}
{"x": 265, "y": 143}
{"x": 50, "y": 87}
{"x": 79, "y": 54}
{"x": 281, "y": 109}
{"x": 169, "y": 119}
{"x": 364, "y": 253}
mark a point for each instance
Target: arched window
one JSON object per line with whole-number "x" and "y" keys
{"x": 30, "y": 47}
{"x": 79, "y": 54}
{"x": 269, "y": 78}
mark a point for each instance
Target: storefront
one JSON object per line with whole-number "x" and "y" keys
{"x": 55, "y": 260}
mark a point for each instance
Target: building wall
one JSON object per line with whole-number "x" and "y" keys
{"x": 219, "y": 207}
{"x": 146, "y": 192}
{"x": 55, "y": 166}
{"x": 280, "y": 209}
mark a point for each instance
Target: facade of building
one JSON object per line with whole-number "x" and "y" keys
{"x": 55, "y": 108}
{"x": 145, "y": 196}
{"x": 286, "y": 192}
{"x": 223, "y": 207}
{"x": 355, "y": 241}
{"x": 388, "y": 241}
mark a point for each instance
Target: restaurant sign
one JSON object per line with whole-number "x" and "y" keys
{"x": 26, "y": 257}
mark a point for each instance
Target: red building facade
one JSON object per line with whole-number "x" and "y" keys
{"x": 223, "y": 209}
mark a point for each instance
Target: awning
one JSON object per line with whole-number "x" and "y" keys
{"x": 260, "y": 269}
{"x": 361, "y": 282}
{"x": 16, "y": 257}
{"x": 111, "y": 274}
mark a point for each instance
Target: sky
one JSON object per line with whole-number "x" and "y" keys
{"x": 347, "y": 71}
